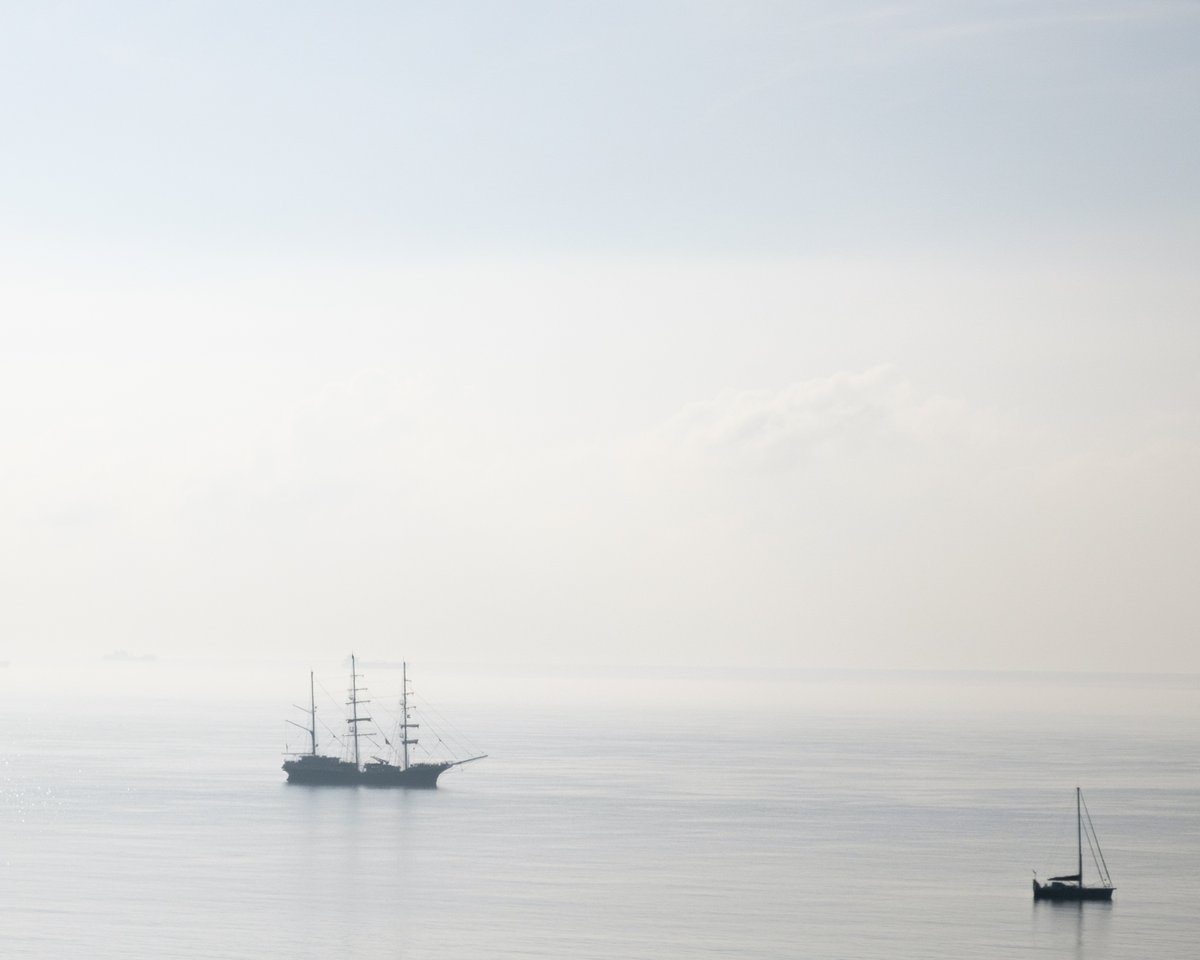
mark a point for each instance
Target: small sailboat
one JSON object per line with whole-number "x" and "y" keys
{"x": 1071, "y": 885}
{"x": 323, "y": 770}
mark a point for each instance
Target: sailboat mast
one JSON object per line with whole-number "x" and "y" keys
{"x": 404, "y": 710}
{"x": 1079, "y": 832}
{"x": 354, "y": 705}
{"x": 312, "y": 711}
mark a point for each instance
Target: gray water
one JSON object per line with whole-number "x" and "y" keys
{"x": 822, "y": 817}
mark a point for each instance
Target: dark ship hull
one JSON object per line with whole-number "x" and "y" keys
{"x": 1070, "y": 892}
{"x": 329, "y": 771}
{"x": 420, "y": 775}
{"x": 326, "y": 771}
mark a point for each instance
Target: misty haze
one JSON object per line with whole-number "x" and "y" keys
{"x": 628, "y": 480}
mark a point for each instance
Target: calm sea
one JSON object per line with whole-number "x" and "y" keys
{"x": 797, "y": 815}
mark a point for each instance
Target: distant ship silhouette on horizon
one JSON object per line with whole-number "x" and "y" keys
{"x": 316, "y": 769}
{"x": 1071, "y": 886}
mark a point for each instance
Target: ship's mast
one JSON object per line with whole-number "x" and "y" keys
{"x": 405, "y": 726}
{"x": 311, "y": 728}
{"x": 354, "y": 719}
{"x": 1079, "y": 833}
{"x": 354, "y": 706}
{"x": 312, "y": 711}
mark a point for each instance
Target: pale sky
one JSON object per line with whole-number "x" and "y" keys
{"x": 769, "y": 334}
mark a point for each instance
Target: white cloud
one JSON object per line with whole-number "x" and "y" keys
{"x": 845, "y": 415}
{"x": 544, "y": 458}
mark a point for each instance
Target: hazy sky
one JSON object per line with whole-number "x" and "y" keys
{"x": 796, "y": 334}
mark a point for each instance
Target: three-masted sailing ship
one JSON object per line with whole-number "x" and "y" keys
{"x": 1071, "y": 886}
{"x": 320, "y": 769}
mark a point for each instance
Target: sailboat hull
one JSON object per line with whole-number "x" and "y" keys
{"x": 419, "y": 775}
{"x": 329, "y": 771}
{"x": 1070, "y": 891}
{"x": 326, "y": 771}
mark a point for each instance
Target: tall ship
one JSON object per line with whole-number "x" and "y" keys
{"x": 1071, "y": 886}
{"x": 315, "y": 768}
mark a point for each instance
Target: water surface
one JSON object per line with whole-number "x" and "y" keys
{"x": 807, "y": 816}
